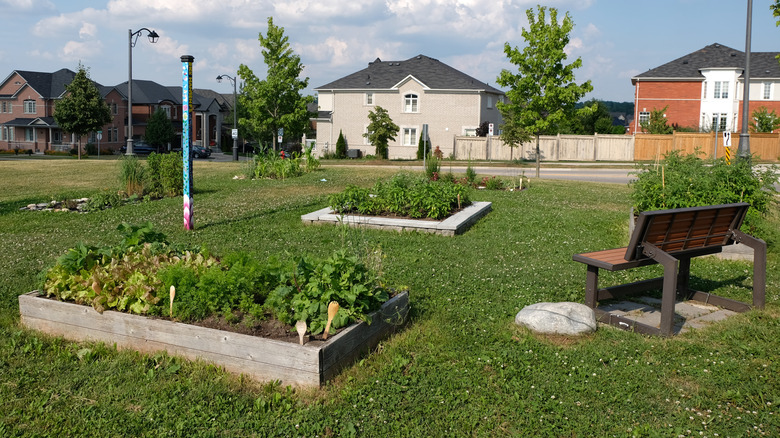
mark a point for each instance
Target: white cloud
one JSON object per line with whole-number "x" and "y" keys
{"x": 88, "y": 30}
{"x": 26, "y": 6}
{"x": 79, "y": 51}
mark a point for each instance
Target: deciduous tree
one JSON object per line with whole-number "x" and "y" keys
{"x": 764, "y": 120}
{"x": 82, "y": 110}
{"x": 542, "y": 93}
{"x": 656, "y": 123}
{"x": 275, "y": 102}
{"x": 381, "y": 130}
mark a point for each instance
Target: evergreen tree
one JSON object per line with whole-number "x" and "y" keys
{"x": 159, "y": 131}
{"x": 341, "y": 146}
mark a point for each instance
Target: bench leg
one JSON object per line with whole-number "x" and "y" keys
{"x": 759, "y": 266}
{"x": 592, "y": 287}
{"x": 684, "y": 277}
{"x": 670, "y": 286}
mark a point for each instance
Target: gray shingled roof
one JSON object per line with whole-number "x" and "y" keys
{"x": 383, "y": 75}
{"x": 762, "y": 64}
{"x": 49, "y": 85}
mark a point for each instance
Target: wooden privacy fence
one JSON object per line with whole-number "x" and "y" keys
{"x": 600, "y": 147}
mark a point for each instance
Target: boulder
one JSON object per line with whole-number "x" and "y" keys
{"x": 558, "y": 318}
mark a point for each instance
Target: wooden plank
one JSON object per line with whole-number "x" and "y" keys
{"x": 259, "y": 358}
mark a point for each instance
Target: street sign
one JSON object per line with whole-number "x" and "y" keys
{"x": 727, "y": 138}
{"x": 100, "y": 135}
{"x": 490, "y": 129}
{"x": 235, "y": 134}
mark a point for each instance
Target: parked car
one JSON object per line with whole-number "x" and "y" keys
{"x": 139, "y": 148}
{"x": 201, "y": 152}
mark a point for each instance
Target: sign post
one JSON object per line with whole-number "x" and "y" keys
{"x": 186, "y": 137}
{"x": 727, "y": 145}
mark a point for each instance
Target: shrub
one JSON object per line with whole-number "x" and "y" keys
{"x": 273, "y": 166}
{"x": 341, "y": 146}
{"x": 471, "y": 175}
{"x": 432, "y": 167}
{"x": 687, "y": 181}
{"x": 164, "y": 176}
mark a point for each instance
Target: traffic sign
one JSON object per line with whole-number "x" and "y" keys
{"x": 727, "y": 138}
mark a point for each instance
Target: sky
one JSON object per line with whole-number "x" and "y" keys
{"x": 616, "y": 39}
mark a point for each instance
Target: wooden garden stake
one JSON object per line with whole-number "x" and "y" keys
{"x": 333, "y": 309}
{"x": 300, "y": 326}
{"x": 173, "y": 294}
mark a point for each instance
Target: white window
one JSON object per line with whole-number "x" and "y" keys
{"x": 2, "y": 108}
{"x": 705, "y": 90}
{"x": 29, "y": 107}
{"x": 721, "y": 90}
{"x": 29, "y": 134}
{"x": 410, "y": 103}
{"x": 4, "y": 133}
{"x": 490, "y": 101}
{"x": 369, "y": 98}
{"x": 410, "y": 137}
{"x": 644, "y": 117}
{"x": 167, "y": 111}
{"x": 116, "y": 134}
{"x": 767, "y": 90}
{"x": 719, "y": 121}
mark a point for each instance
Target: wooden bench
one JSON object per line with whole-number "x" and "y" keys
{"x": 671, "y": 238}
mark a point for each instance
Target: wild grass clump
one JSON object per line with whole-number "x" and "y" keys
{"x": 274, "y": 166}
{"x": 131, "y": 175}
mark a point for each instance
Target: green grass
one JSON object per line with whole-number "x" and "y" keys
{"x": 460, "y": 368}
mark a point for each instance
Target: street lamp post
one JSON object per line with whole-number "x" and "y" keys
{"x": 153, "y": 37}
{"x": 235, "y": 114}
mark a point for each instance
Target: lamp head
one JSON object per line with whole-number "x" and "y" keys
{"x": 219, "y": 79}
{"x": 153, "y": 37}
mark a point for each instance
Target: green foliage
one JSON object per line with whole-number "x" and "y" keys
{"x": 421, "y": 148}
{"x": 131, "y": 175}
{"x": 471, "y": 175}
{"x": 312, "y": 162}
{"x": 304, "y": 293}
{"x": 159, "y": 130}
{"x": 403, "y": 195}
{"x": 82, "y": 109}
{"x": 543, "y": 93}
{"x": 103, "y": 200}
{"x": 274, "y": 102}
{"x": 593, "y": 118}
{"x": 688, "y": 181}
{"x": 164, "y": 175}
{"x": 493, "y": 183}
{"x": 432, "y": 167}
{"x": 381, "y": 130}
{"x": 764, "y": 120}
{"x": 657, "y": 124}
{"x": 273, "y": 166}
{"x": 341, "y": 146}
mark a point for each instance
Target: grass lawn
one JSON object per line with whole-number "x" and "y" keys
{"x": 460, "y": 368}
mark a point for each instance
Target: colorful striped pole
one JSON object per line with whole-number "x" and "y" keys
{"x": 186, "y": 137}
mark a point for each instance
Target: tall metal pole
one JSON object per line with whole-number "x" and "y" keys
{"x": 743, "y": 152}
{"x": 129, "y": 92}
{"x": 186, "y": 138}
{"x": 235, "y": 122}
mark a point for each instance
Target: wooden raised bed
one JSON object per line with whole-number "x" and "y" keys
{"x": 259, "y": 358}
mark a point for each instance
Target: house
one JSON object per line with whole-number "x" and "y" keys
{"x": 704, "y": 89}
{"x": 27, "y": 101}
{"x": 415, "y": 92}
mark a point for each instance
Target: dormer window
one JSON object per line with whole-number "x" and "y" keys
{"x": 410, "y": 103}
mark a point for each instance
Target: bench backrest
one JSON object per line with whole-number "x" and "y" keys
{"x": 684, "y": 230}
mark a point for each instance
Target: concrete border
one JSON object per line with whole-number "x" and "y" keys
{"x": 458, "y": 223}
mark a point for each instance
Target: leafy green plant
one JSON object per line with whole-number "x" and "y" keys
{"x": 471, "y": 175}
{"x": 403, "y": 195}
{"x": 432, "y": 167}
{"x": 304, "y": 293}
{"x": 688, "y": 181}
{"x": 103, "y": 200}
{"x": 164, "y": 175}
{"x": 493, "y": 183}
{"x": 341, "y": 146}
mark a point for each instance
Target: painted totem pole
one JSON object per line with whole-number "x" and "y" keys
{"x": 186, "y": 137}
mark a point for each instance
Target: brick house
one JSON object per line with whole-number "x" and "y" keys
{"x": 420, "y": 90}
{"x": 27, "y": 101}
{"x": 704, "y": 89}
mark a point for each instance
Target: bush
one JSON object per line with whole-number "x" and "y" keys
{"x": 341, "y": 146}
{"x": 687, "y": 181}
{"x": 273, "y": 166}
{"x": 432, "y": 167}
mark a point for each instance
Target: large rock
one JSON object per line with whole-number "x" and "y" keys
{"x": 558, "y": 318}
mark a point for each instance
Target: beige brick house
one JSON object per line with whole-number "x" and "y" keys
{"x": 418, "y": 91}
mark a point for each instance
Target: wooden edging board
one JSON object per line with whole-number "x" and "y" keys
{"x": 259, "y": 358}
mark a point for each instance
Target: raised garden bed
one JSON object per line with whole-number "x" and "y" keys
{"x": 458, "y": 223}
{"x": 259, "y": 358}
